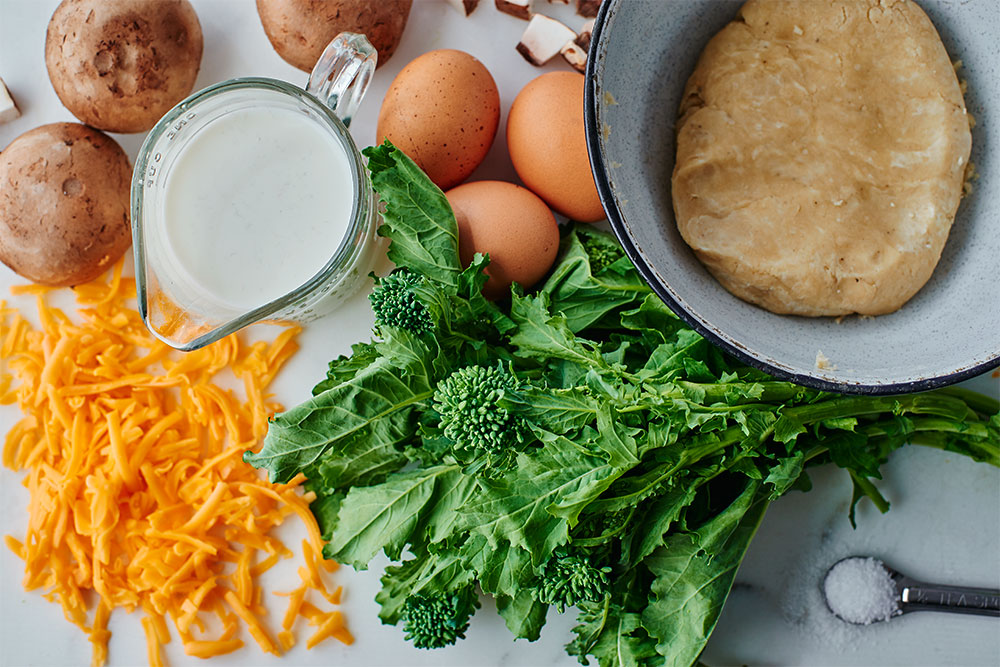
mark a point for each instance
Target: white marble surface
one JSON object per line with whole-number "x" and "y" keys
{"x": 944, "y": 525}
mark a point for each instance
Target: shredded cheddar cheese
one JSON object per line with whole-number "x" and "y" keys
{"x": 138, "y": 493}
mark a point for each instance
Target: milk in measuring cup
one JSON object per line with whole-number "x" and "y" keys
{"x": 255, "y": 205}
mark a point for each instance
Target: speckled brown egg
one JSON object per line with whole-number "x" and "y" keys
{"x": 442, "y": 110}
{"x": 548, "y": 147}
{"x": 512, "y": 225}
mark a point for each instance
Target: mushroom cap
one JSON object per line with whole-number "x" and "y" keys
{"x": 119, "y": 65}
{"x": 300, "y": 30}
{"x": 64, "y": 204}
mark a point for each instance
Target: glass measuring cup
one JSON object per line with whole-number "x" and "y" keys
{"x": 177, "y": 307}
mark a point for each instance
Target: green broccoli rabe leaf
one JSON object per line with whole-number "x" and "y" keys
{"x": 585, "y": 294}
{"x": 399, "y": 582}
{"x": 325, "y": 508}
{"x": 615, "y": 440}
{"x": 793, "y": 420}
{"x": 523, "y": 614}
{"x": 613, "y": 636}
{"x": 378, "y": 403}
{"x": 783, "y": 475}
{"x": 542, "y": 336}
{"x": 452, "y": 492}
{"x": 344, "y": 368}
{"x": 365, "y": 457}
{"x": 694, "y": 572}
{"x": 419, "y": 223}
{"x": 653, "y": 322}
{"x": 459, "y": 313}
{"x": 501, "y": 568}
{"x": 534, "y": 506}
{"x": 412, "y": 506}
{"x": 653, "y": 519}
{"x": 480, "y": 309}
{"x": 382, "y": 517}
{"x": 979, "y": 441}
{"x": 557, "y": 410}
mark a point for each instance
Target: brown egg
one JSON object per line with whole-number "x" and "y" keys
{"x": 442, "y": 110}
{"x": 547, "y": 145}
{"x": 509, "y": 223}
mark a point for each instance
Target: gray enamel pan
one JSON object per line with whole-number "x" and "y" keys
{"x": 641, "y": 55}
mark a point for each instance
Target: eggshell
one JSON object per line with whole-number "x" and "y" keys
{"x": 443, "y": 110}
{"x": 548, "y": 147}
{"x": 509, "y": 223}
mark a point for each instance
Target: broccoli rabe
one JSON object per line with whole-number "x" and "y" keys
{"x": 527, "y": 447}
{"x": 396, "y": 305}
{"x": 602, "y": 252}
{"x": 569, "y": 578}
{"x": 439, "y": 619}
{"x": 479, "y": 429}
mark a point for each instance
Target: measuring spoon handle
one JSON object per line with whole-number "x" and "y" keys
{"x": 920, "y": 596}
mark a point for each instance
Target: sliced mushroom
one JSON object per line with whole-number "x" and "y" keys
{"x": 543, "y": 39}
{"x": 519, "y": 8}
{"x": 587, "y": 8}
{"x": 583, "y": 39}
{"x": 575, "y": 56}
{"x": 466, "y": 7}
{"x": 8, "y": 110}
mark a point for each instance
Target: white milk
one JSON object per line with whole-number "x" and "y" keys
{"x": 256, "y": 203}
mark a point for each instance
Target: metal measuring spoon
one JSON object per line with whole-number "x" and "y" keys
{"x": 912, "y": 595}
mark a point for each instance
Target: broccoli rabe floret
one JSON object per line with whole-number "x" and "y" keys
{"x": 396, "y": 305}
{"x": 479, "y": 428}
{"x": 602, "y": 251}
{"x": 438, "y": 619}
{"x": 569, "y": 578}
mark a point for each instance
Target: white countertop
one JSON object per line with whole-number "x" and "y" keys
{"x": 944, "y": 525}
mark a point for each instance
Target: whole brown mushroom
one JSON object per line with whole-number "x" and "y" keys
{"x": 64, "y": 204}
{"x": 119, "y": 65}
{"x": 299, "y": 30}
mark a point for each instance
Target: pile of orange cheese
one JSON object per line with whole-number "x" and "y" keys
{"x": 138, "y": 494}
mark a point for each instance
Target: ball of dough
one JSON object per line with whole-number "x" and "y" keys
{"x": 64, "y": 204}
{"x": 299, "y": 30}
{"x": 821, "y": 152}
{"x": 119, "y": 65}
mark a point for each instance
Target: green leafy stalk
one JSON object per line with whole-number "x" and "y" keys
{"x": 579, "y": 447}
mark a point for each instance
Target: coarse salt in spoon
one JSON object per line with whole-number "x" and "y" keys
{"x": 863, "y": 590}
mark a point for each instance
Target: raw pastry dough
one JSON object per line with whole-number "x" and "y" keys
{"x": 820, "y": 155}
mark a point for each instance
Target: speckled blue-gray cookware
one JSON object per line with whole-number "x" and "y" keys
{"x": 642, "y": 54}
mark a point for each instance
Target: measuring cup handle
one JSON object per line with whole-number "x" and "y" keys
{"x": 342, "y": 74}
